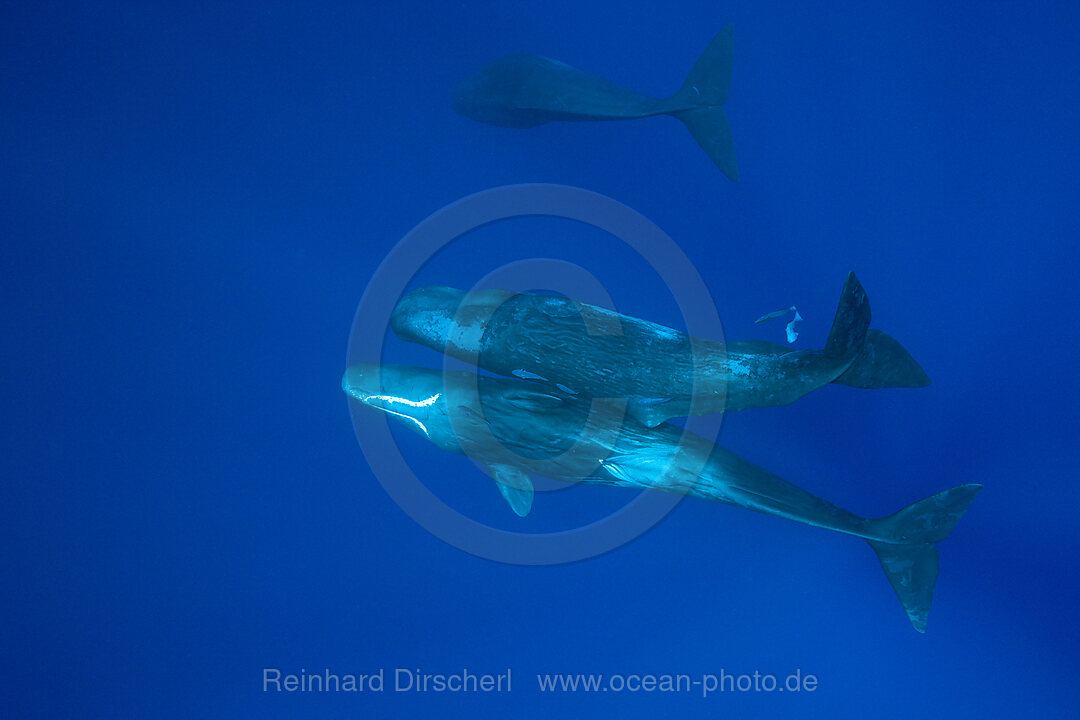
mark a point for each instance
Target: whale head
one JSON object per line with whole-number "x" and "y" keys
{"x": 426, "y": 316}
{"x": 413, "y": 396}
{"x": 442, "y": 405}
{"x": 490, "y": 95}
{"x": 446, "y": 319}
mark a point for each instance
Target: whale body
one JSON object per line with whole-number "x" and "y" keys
{"x": 663, "y": 373}
{"x": 523, "y": 91}
{"x": 517, "y": 430}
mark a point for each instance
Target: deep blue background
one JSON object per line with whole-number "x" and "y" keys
{"x": 192, "y": 199}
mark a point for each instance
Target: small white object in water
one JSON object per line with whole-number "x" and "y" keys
{"x": 792, "y": 333}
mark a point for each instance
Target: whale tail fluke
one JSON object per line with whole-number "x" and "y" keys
{"x": 851, "y": 322}
{"x": 910, "y": 559}
{"x": 705, "y": 90}
{"x": 710, "y": 78}
{"x": 883, "y": 363}
{"x": 709, "y": 126}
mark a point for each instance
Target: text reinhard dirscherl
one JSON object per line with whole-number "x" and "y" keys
{"x": 401, "y": 680}
{"x": 413, "y": 680}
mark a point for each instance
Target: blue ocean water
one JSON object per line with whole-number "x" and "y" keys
{"x": 194, "y": 198}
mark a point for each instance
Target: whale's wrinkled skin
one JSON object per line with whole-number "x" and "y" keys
{"x": 526, "y": 90}
{"x": 517, "y": 430}
{"x": 663, "y": 373}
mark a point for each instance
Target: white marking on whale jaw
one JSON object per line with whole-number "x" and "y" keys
{"x": 392, "y": 400}
{"x": 427, "y": 402}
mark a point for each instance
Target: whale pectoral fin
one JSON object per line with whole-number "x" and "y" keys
{"x": 515, "y": 486}
{"x": 533, "y": 400}
{"x": 615, "y": 469}
{"x": 650, "y": 412}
